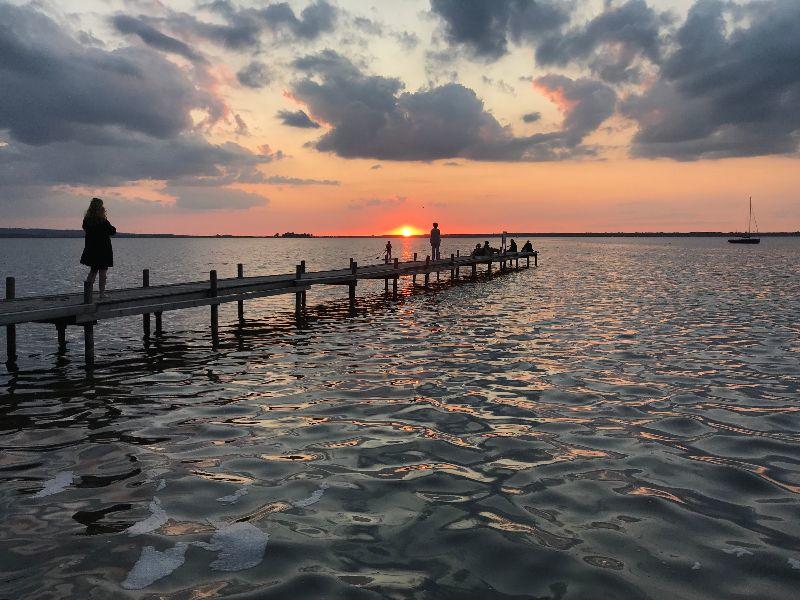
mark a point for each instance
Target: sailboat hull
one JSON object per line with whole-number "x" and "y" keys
{"x": 745, "y": 240}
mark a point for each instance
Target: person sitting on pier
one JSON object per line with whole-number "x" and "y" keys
{"x": 527, "y": 247}
{"x": 98, "y": 254}
{"x": 512, "y": 246}
{"x": 488, "y": 250}
{"x": 478, "y": 250}
{"x": 388, "y": 252}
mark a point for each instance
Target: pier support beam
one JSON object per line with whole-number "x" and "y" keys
{"x": 298, "y": 297}
{"x": 458, "y": 274}
{"x": 11, "y": 330}
{"x": 528, "y": 262}
{"x": 489, "y": 268}
{"x": 159, "y": 324}
{"x": 414, "y": 276}
{"x": 352, "y": 286}
{"x": 536, "y": 259}
{"x": 88, "y": 328}
{"x": 427, "y": 273}
{"x": 61, "y": 331}
{"x": 395, "y": 278}
{"x": 213, "y": 292}
{"x": 474, "y": 271}
{"x": 452, "y": 268}
{"x": 240, "y": 303}
{"x": 146, "y": 316}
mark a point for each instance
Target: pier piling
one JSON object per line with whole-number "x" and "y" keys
{"x": 88, "y": 328}
{"x": 427, "y": 273}
{"x": 146, "y": 316}
{"x": 240, "y": 303}
{"x": 11, "y": 330}
{"x": 395, "y": 278}
{"x": 61, "y": 331}
{"x": 213, "y": 292}
{"x": 352, "y": 286}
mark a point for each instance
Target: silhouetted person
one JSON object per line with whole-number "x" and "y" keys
{"x": 478, "y": 250}
{"x": 527, "y": 247}
{"x": 436, "y": 239}
{"x": 512, "y": 246}
{"x": 97, "y": 252}
{"x": 487, "y": 249}
{"x": 388, "y": 251}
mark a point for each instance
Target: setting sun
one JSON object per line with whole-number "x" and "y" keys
{"x": 406, "y": 232}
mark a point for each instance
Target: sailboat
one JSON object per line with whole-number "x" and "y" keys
{"x": 747, "y": 238}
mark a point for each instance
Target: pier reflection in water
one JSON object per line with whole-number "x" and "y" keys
{"x": 621, "y": 422}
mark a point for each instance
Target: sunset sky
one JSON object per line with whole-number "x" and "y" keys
{"x": 359, "y": 117}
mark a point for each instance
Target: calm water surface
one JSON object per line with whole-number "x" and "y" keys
{"x": 621, "y": 422}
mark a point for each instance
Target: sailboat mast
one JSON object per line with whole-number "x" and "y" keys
{"x": 750, "y": 219}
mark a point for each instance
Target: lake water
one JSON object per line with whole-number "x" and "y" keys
{"x": 622, "y": 422}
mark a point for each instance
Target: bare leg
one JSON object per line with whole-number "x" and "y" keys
{"x": 92, "y": 274}
{"x": 103, "y": 275}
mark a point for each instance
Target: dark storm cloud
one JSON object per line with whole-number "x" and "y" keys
{"x": 254, "y": 75}
{"x": 611, "y": 42}
{"x": 154, "y": 38}
{"x": 585, "y": 103}
{"x": 117, "y": 157}
{"x": 297, "y": 118}
{"x": 730, "y": 88}
{"x": 487, "y": 27}
{"x": 243, "y": 27}
{"x": 372, "y": 117}
{"x": 54, "y": 89}
{"x": 75, "y": 115}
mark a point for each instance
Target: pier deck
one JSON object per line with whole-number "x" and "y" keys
{"x": 84, "y": 309}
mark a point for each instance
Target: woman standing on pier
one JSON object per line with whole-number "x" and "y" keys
{"x": 97, "y": 252}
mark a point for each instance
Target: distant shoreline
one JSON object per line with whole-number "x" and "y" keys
{"x": 7, "y": 233}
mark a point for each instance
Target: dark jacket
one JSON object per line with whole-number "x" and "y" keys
{"x": 513, "y": 246}
{"x": 97, "y": 252}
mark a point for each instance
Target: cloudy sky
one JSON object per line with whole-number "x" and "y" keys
{"x": 358, "y": 117}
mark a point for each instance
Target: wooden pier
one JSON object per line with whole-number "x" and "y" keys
{"x": 85, "y": 310}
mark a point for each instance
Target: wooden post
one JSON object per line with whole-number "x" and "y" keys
{"x": 159, "y": 324}
{"x": 414, "y": 275}
{"x": 474, "y": 270}
{"x": 298, "y": 297}
{"x": 458, "y": 272}
{"x": 394, "y": 279}
{"x": 427, "y": 273}
{"x": 452, "y": 267}
{"x": 303, "y": 293}
{"x": 11, "y": 330}
{"x": 61, "y": 330}
{"x": 240, "y": 303}
{"x": 517, "y": 263}
{"x": 489, "y": 267}
{"x": 146, "y": 316}
{"x": 535, "y": 259}
{"x": 528, "y": 262}
{"x": 213, "y": 292}
{"x": 352, "y": 286}
{"x": 88, "y": 328}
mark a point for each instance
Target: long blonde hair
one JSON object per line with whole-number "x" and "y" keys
{"x": 96, "y": 210}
